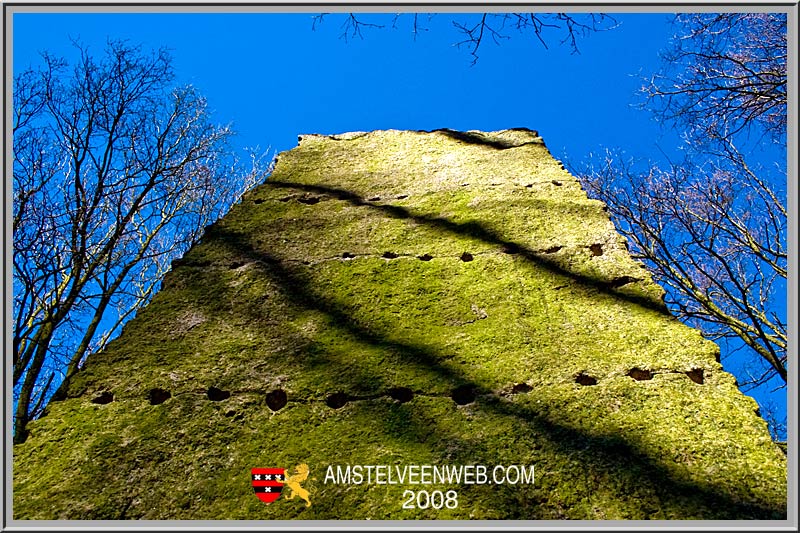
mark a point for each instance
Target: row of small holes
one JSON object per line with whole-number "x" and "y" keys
{"x": 510, "y": 249}
{"x": 461, "y": 395}
{"x": 311, "y": 200}
{"x": 696, "y": 375}
{"x": 275, "y": 400}
{"x": 156, "y": 396}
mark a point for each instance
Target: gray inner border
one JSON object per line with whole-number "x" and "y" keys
{"x": 788, "y": 7}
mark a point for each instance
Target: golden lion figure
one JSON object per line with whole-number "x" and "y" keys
{"x": 293, "y": 482}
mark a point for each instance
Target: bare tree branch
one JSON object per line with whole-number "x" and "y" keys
{"x": 705, "y": 233}
{"x": 732, "y": 79}
{"x": 712, "y": 228}
{"x": 566, "y": 27}
{"x": 114, "y": 174}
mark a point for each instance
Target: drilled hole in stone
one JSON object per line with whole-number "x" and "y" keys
{"x": 426, "y": 257}
{"x": 347, "y": 255}
{"x": 236, "y": 264}
{"x": 465, "y": 184}
{"x": 530, "y": 185}
{"x": 640, "y": 375}
{"x": 217, "y": 395}
{"x": 510, "y": 248}
{"x": 258, "y": 201}
{"x": 466, "y": 257}
{"x": 622, "y": 280}
{"x": 696, "y": 375}
{"x": 556, "y": 183}
{"x": 309, "y": 200}
{"x": 337, "y": 400}
{"x": 553, "y": 249}
{"x": 158, "y": 396}
{"x": 585, "y": 379}
{"x": 389, "y": 255}
{"x": 374, "y": 199}
{"x": 402, "y": 196}
{"x": 596, "y": 249}
{"x": 520, "y": 388}
{"x": 401, "y": 394}
{"x": 276, "y": 400}
{"x": 463, "y": 394}
{"x": 103, "y": 398}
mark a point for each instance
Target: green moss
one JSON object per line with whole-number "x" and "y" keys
{"x": 293, "y": 290}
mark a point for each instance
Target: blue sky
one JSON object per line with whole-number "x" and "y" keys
{"x": 274, "y": 78}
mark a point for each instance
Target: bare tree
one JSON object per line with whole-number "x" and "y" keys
{"x": 475, "y": 29}
{"x": 726, "y": 74}
{"x": 712, "y": 227}
{"x": 115, "y": 173}
{"x": 713, "y": 234}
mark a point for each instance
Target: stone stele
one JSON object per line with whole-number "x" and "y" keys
{"x": 398, "y": 299}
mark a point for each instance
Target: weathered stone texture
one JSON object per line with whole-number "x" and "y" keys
{"x": 405, "y": 298}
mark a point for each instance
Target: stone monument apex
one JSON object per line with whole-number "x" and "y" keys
{"x": 405, "y": 325}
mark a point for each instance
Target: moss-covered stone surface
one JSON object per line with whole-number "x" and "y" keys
{"x": 441, "y": 298}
